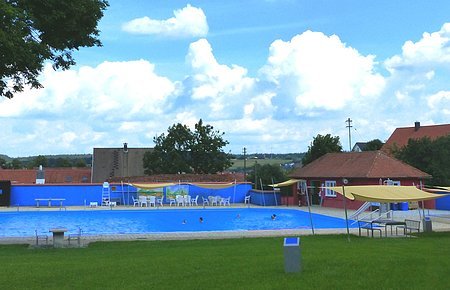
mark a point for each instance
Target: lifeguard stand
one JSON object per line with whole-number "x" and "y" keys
{"x": 106, "y": 194}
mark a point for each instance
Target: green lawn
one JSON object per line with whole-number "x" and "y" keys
{"x": 328, "y": 261}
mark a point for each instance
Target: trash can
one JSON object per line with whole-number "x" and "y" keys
{"x": 404, "y": 206}
{"x": 394, "y": 206}
{"x": 427, "y": 226}
{"x": 292, "y": 255}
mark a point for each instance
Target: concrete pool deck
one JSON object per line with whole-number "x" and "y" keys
{"x": 440, "y": 222}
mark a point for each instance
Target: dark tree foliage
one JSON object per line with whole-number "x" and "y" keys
{"x": 320, "y": 146}
{"x": 373, "y": 145}
{"x": 39, "y": 160}
{"x": 267, "y": 174}
{"x": 432, "y": 157}
{"x": 34, "y": 31}
{"x": 183, "y": 150}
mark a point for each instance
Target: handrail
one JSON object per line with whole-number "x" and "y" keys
{"x": 369, "y": 214}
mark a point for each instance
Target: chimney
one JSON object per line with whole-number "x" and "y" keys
{"x": 416, "y": 126}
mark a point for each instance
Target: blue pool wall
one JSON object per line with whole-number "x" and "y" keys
{"x": 265, "y": 198}
{"x": 83, "y": 194}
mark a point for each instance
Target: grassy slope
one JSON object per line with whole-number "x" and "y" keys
{"x": 329, "y": 262}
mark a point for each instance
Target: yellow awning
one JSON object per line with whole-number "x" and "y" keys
{"x": 152, "y": 185}
{"x": 383, "y": 193}
{"x": 213, "y": 185}
{"x": 285, "y": 183}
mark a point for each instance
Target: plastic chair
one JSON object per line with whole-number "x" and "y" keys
{"x": 143, "y": 200}
{"x": 247, "y": 199}
{"x": 205, "y": 201}
{"x": 194, "y": 201}
{"x": 180, "y": 200}
{"x": 135, "y": 201}
{"x": 187, "y": 199}
{"x": 225, "y": 201}
{"x": 151, "y": 201}
{"x": 172, "y": 201}
{"x": 160, "y": 200}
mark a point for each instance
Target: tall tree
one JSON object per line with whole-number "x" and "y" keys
{"x": 320, "y": 146}
{"x": 34, "y": 31}
{"x": 39, "y": 160}
{"x": 183, "y": 150}
{"x": 373, "y": 145}
{"x": 267, "y": 174}
{"x": 432, "y": 157}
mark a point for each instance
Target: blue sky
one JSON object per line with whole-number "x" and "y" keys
{"x": 270, "y": 74}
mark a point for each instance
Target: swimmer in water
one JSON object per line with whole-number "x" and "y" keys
{"x": 184, "y": 222}
{"x": 238, "y": 216}
{"x": 274, "y": 216}
{"x": 200, "y": 219}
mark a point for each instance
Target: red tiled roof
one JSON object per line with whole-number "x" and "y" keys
{"x": 368, "y": 164}
{"x": 52, "y": 175}
{"x": 401, "y": 136}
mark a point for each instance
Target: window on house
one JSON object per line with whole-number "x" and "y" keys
{"x": 329, "y": 192}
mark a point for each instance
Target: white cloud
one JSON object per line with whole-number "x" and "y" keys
{"x": 222, "y": 88}
{"x": 320, "y": 72}
{"x": 187, "y": 22}
{"x": 431, "y": 50}
{"x": 439, "y": 103}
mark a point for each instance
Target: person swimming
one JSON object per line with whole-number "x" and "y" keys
{"x": 274, "y": 216}
{"x": 200, "y": 219}
{"x": 184, "y": 222}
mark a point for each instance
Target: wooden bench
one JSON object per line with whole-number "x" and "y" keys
{"x": 49, "y": 201}
{"x": 410, "y": 225}
{"x": 368, "y": 226}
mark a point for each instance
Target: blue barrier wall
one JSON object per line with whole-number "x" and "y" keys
{"x": 83, "y": 194}
{"x": 443, "y": 203}
{"x": 265, "y": 198}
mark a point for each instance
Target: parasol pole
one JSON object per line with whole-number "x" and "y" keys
{"x": 345, "y": 181}
{"x": 309, "y": 210}
{"x": 274, "y": 195}
{"x": 234, "y": 192}
{"x": 262, "y": 190}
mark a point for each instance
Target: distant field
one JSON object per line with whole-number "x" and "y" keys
{"x": 239, "y": 163}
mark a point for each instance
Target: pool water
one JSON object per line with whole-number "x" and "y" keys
{"x": 106, "y": 222}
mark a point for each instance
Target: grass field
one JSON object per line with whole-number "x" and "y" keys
{"x": 328, "y": 262}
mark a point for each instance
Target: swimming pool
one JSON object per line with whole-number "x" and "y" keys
{"x": 114, "y": 222}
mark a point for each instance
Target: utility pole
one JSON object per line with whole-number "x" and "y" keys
{"x": 349, "y": 125}
{"x": 244, "y": 150}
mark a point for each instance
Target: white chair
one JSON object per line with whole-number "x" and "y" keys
{"x": 205, "y": 201}
{"x": 187, "y": 199}
{"x": 194, "y": 201}
{"x": 172, "y": 201}
{"x": 135, "y": 201}
{"x": 214, "y": 200}
{"x": 143, "y": 200}
{"x": 180, "y": 200}
{"x": 151, "y": 200}
{"x": 225, "y": 201}
{"x": 160, "y": 200}
{"x": 247, "y": 199}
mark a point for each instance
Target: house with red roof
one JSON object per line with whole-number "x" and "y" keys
{"x": 400, "y": 136}
{"x": 355, "y": 168}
